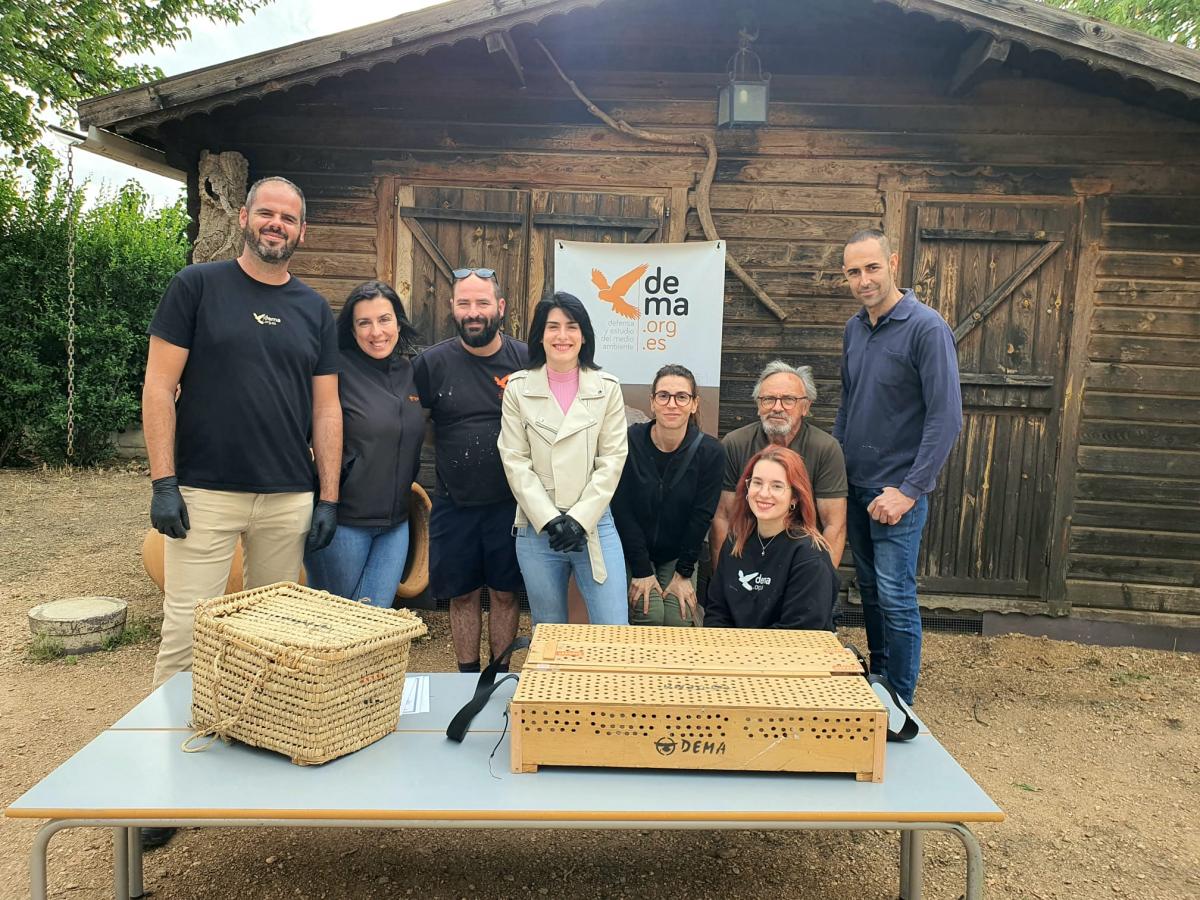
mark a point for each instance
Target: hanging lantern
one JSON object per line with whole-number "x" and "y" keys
{"x": 743, "y": 99}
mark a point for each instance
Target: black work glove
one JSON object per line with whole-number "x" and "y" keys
{"x": 324, "y": 524}
{"x": 551, "y": 529}
{"x": 566, "y": 535}
{"x": 168, "y": 512}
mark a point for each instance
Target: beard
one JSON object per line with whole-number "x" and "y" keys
{"x": 266, "y": 252}
{"x": 480, "y": 338}
{"x": 777, "y": 430}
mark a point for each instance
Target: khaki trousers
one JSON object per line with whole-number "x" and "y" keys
{"x": 663, "y": 610}
{"x": 273, "y": 528}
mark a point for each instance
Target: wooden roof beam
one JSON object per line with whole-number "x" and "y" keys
{"x": 1099, "y": 45}
{"x": 502, "y": 49}
{"x": 978, "y": 62}
{"x": 1070, "y": 36}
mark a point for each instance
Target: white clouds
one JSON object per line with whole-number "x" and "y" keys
{"x": 326, "y": 18}
{"x": 276, "y": 26}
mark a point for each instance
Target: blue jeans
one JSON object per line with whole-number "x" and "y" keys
{"x": 546, "y": 573}
{"x": 885, "y": 558}
{"x": 361, "y": 563}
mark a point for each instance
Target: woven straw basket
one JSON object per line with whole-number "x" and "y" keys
{"x": 298, "y": 671}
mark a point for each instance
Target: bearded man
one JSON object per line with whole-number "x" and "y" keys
{"x": 461, "y": 382}
{"x": 242, "y": 369}
{"x": 784, "y": 396}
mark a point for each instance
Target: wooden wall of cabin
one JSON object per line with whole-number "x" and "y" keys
{"x": 844, "y": 151}
{"x": 1135, "y": 529}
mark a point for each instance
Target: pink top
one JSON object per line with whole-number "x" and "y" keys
{"x": 564, "y": 386}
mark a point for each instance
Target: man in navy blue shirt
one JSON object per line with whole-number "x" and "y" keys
{"x": 900, "y": 415}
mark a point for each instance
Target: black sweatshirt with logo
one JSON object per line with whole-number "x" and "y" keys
{"x": 790, "y": 584}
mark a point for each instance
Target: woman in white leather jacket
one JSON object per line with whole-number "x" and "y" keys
{"x": 563, "y": 445}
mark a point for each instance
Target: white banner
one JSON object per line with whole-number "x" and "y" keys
{"x": 650, "y": 305}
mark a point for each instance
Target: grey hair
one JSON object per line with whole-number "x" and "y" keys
{"x": 779, "y": 367}
{"x": 276, "y": 179}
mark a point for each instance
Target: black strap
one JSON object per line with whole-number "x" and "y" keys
{"x": 685, "y": 460}
{"x": 484, "y": 688}
{"x": 862, "y": 660}
{"x": 909, "y": 729}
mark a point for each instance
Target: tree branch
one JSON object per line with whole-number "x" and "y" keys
{"x": 704, "y": 142}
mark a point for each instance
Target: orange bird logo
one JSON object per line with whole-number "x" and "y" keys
{"x": 615, "y": 293}
{"x": 501, "y": 383}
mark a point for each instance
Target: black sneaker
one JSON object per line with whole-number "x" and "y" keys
{"x": 153, "y": 838}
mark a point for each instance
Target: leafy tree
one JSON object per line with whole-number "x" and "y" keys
{"x": 125, "y": 254}
{"x": 1171, "y": 20}
{"x": 54, "y": 53}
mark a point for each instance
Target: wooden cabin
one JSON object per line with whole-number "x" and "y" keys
{"x": 1039, "y": 171}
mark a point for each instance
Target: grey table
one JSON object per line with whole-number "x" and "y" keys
{"x": 134, "y": 775}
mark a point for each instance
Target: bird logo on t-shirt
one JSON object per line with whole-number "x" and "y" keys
{"x": 501, "y": 383}
{"x": 747, "y": 579}
{"x": 615, "y": 293}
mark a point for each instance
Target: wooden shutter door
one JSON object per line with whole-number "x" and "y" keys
{"x": 1001, "y": 274}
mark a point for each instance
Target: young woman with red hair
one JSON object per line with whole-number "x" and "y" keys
{"x": 774, "y": 570}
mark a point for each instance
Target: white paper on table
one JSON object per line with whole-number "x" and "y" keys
{"x": 416, "y": 695}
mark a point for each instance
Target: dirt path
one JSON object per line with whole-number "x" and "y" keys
{"x": 1092, "y": 752}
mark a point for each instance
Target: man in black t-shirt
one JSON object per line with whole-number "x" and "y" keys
{"x": 461, "y": 382}
{"x": 252, "y": 354}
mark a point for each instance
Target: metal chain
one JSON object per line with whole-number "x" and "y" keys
{"x": 71, "y": 217}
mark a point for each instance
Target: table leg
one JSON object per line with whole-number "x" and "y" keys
{"x": 913, "y": 851}
{"x": 136, "y": 888}
{"x": 37, "y": 860}
{"x": 974, "y": 861}
{"x": 121, "y": 862}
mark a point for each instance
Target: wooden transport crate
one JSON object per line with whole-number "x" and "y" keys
{"x": 298, "y": 671}
{"x": 699, "y": 651}
{"x": 669, "y": 721}
{"x": 644, "y": 635}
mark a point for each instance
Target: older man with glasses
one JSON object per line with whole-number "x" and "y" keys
{"x": 784, "y": 395}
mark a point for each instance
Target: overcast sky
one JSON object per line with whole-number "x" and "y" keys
{"x": 278, "y": 25}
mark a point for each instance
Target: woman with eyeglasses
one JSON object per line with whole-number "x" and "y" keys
{"x": 563, "y": 445}
{"x": 383, "y": 427}
{"x": 665, "y": 502}
{"x": 774, "y": 569}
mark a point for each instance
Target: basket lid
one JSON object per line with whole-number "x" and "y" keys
{"x": 292, "y": 615}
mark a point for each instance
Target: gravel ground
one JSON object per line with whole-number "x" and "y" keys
{"x": 1090, "y": 751}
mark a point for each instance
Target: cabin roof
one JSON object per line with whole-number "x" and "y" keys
{"x": 1101, "y": 46}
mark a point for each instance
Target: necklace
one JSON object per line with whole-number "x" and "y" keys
{"x": 763, "y": 547}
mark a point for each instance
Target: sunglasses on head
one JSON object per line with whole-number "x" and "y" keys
{"x": 460, "y": 274}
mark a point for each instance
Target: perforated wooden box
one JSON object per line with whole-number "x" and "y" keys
{"x": 692, "y": 637}
{"x": 665, "y": 721}
{"x": 734, "y": 651}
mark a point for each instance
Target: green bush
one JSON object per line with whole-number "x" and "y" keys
{"x": 125, "y": 254}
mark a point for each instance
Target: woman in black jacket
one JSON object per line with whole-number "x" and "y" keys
{"x": 666, "y": 499}
{"x": 382, "y": 430}
{"x": 774, "y": 570}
